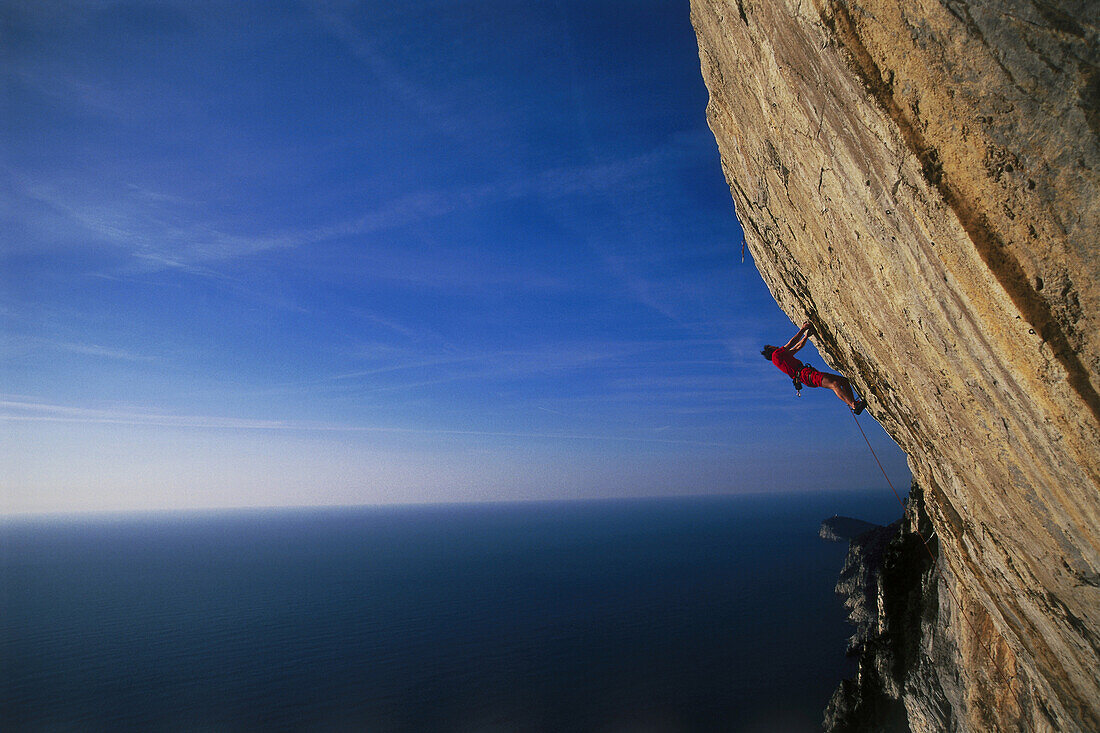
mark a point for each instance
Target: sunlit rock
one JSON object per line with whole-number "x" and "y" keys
{"x": 919, "y": 180}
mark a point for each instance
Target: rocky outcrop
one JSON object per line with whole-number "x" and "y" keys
{"x": 837, "y": 528}
{"x": 890, "y": 584}
{"x": 920, "y": 181}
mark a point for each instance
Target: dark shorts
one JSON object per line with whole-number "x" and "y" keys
{"x": 810, "y": 377}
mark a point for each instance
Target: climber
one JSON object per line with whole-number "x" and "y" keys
{"x": 783, "y": 358}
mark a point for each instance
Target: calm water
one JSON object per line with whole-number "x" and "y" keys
{"x": 644, "y": 615}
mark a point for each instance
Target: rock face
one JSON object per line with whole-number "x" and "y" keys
{"x": 920, "y": 181}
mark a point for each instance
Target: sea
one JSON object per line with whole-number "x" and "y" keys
{"x": 670, "y": 614}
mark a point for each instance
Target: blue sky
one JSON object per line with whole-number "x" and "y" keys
{"x": 338, "y": 253}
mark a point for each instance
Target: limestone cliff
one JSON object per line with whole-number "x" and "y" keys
{"x": 920, "y": 180}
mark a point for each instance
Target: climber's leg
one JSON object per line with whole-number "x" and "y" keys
{"x": 841, "y": 387}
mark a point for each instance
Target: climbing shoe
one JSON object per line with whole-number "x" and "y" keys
{"x": 859, "y": 406}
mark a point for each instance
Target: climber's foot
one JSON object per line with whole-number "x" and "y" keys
{"x": 859, "y": 406}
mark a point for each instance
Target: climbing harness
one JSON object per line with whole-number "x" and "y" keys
{"x": 797, "y": 381}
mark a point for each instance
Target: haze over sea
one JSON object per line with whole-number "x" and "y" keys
{"x": 331, "y": 253}
{"x": 678, "y": 614}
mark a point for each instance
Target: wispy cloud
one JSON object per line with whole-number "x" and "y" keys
{"x": 505, "y": 364}
{"x": 414, "y": 333}
{"x": 23, "y": 411}
{"x": 154, "y": 228}
{"x": 102, "y": 351}
{"x": 23, "y": 344}
{"x": 20, "y": 411}
{"x": 60, "y": 84}
{"x": 389, "y": 75}
{"x": 162, "y": 231}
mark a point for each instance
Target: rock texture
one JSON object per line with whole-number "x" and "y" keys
{"x": 920, "y": 180}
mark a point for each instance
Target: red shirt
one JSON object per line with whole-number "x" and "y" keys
{"x": 786, "y": 362}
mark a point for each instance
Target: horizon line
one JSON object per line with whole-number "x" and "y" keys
{"x": 146, "y": 511}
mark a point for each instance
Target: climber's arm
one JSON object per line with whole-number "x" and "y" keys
{"x": 799, "y": 339}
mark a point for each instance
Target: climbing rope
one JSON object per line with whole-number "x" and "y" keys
{"x": 890, "y": 483}
{"x": 916, "y": 530}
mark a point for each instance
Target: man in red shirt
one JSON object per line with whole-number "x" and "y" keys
{"x": 783, "y": 358}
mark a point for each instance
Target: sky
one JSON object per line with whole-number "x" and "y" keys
{"x": 327, "y": 252}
